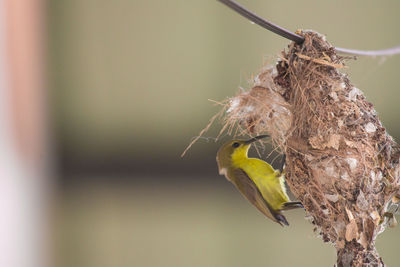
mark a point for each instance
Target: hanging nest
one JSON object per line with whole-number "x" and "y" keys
{"x": 341, "y": 163}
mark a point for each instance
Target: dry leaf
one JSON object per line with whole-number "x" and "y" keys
{"x": 340, "y": 244}
{"x": 351, "y": 231}
{"x": 363, "y": 240}
{"x": 351, "y": 228}
{"x": 334, "y": 141}
{"x": 375, "y": 217}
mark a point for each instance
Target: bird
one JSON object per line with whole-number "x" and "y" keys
{"x": 256, "y": 180}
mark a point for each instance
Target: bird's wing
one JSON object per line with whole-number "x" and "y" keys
{"x": 250, "y": 191}
{"x": 292, "y": 205}
{"x": 269, "y": 181}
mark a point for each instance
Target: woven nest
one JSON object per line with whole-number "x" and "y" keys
{"x": 341, "y": 163}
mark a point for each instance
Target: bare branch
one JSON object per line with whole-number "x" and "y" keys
{"x": 263, "y": 22}
{"x": 297, "y": 38}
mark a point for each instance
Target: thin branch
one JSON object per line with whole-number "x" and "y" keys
{"x": 262, "y": 22}
{"x": 372, "y": 53}
{"x": 297, "y": 38}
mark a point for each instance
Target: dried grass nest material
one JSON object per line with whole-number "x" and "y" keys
{"x": 341, "y": 163}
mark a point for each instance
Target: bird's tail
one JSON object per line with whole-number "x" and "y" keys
{"x": 292, "y": 205}
{"x": 281, "y": 219}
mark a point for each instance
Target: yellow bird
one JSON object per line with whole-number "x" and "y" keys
{"x": 258, "y": 181}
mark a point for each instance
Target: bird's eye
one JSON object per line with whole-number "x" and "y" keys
{"x": 236, "y": 144}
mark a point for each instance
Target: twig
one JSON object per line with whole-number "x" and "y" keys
{"x": 300, "y": 39}
{"x": 321, "y": 61}
{"x": 372, "y": 53}
{"x": 263, "y": 22}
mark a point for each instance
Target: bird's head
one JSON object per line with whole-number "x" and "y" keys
{"x": 234, "y": 147}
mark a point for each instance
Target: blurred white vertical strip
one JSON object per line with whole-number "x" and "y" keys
{"x": 23, "y": 180}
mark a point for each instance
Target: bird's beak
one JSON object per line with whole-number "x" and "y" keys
{"x": 255, "y": 139}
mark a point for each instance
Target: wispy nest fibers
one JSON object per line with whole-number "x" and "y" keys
{"x": 341, "y": 163}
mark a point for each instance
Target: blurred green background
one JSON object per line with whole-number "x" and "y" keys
{"x": 130, "y": 83}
